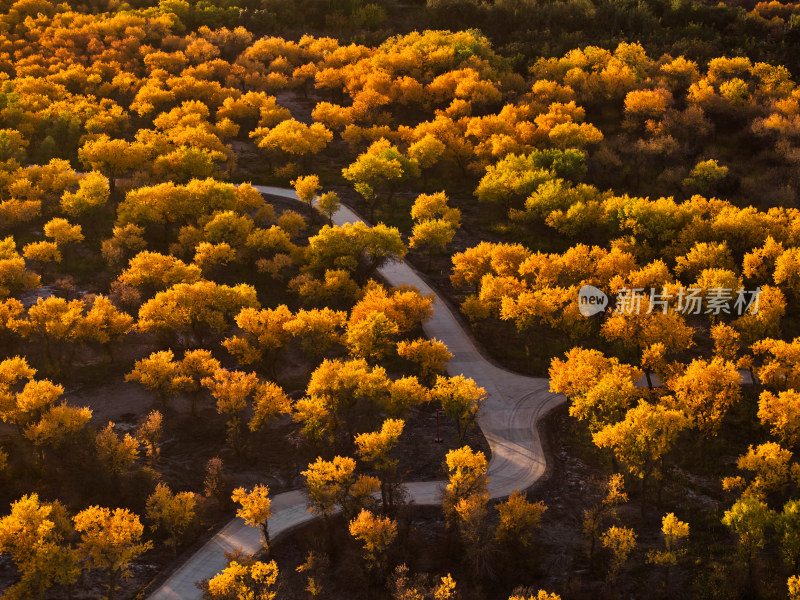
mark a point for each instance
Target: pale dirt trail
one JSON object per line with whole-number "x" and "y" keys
{"x": 508, "y": 420}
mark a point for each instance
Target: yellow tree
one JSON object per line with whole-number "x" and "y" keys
{"x": 54, "y": 323}
{"x": 675, "y": 533}
{"x": 466, "y": 477}
{"x": 159, "y": 373}
{"x": 434, "y": 206}
{"x": 35, "y": 535}
{"x": 171, "y": 513}
{"x": 92, "y": 194}
{"x": 293, "y": 138}
{"x": 211, "y": 258}
{"x": 14, "y": 277}
{"x": 596, "y": 515}
{"x": 115, "y": 453}
{"x": 435, "y": 223}
{"x": 335, "y": 289}
{"x": 124, "y": 243}
{"x": 354, "y": 247}
{"x": 269, "y": 402}
{"x": 113, "y": 157}
{"x": 763, "y": 320}
{"x": 705, "y": 391}
{"x": 600, "y": 389}
{"x": 431, "y": 356}
{"x": 787, "y": 526}
{"x": 511, "y": 180}
{"x": 197, "y": 309}
{"x": 793, "y": 585}
{"x": 306, "y": 187}
{"x": 231, "y": 390}
{"x": 63, "y": 233}
{"x": 334, "y": 483}
{"x": 196, "y": 366}
{"x": 771, "y": 471}
{"x": 263, "y": 334}
{"x": 472, "y": 512}
{"x": 781, "y": 413}
{"x": 317, "y": 329}
{"x": 23, "y": 399}
{"x": 541, "y": 595}
{"x": 376, "y": 535}
{"x": 341, "y": 397}
{"x": 103, "y": 324}
{"x": 726, "y": 342}
{"x": 58, "y": 426}
{"x": 254, "y": 580}
{"x": 110, "y": 541}
{"x": 472, "y": 264}
{"x": 255, "y": 507}
{"x": 519, "y": 520}
{"x": 621, "y": 541}
{"x": 404, "y": 587}
{"x": 328, "y": 203}
{"x": 404, "y": 305}
{"x": 780, "y": 369}
{"x": 433, "y": 234}
{"x": 461, "y": 399}
{"x": 149, "y": 433}
{"x": 642, "y": 440}
{"x": 376, "y": 448}
{"x": 643, "y": 330}
{"x": 371, "y": 336}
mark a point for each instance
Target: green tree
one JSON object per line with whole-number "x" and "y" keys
{"x": 354, "y": 247}
{"x": 377, "y": 173}
{"x": 748, "y": 520}
{"x": 787, "y": 526}
{"x": 171, "y": 513}
{"x": 461, "y": 399}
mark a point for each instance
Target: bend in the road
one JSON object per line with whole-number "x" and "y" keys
{"x": 508, "y": 420}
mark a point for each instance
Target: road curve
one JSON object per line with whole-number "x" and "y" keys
{"x": 507, "y": 419}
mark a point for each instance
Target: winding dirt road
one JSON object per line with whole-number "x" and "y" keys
{"x": 508, "y": 419}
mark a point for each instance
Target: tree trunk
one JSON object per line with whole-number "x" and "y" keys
{"x": 384, "y": 496}
{"x": 662, "y": 481}
{"x": 265, "y": 531}
{"x": 644, "y": 493}
{"x": 329, "y": 535}
{"x": 111, "y": 584}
